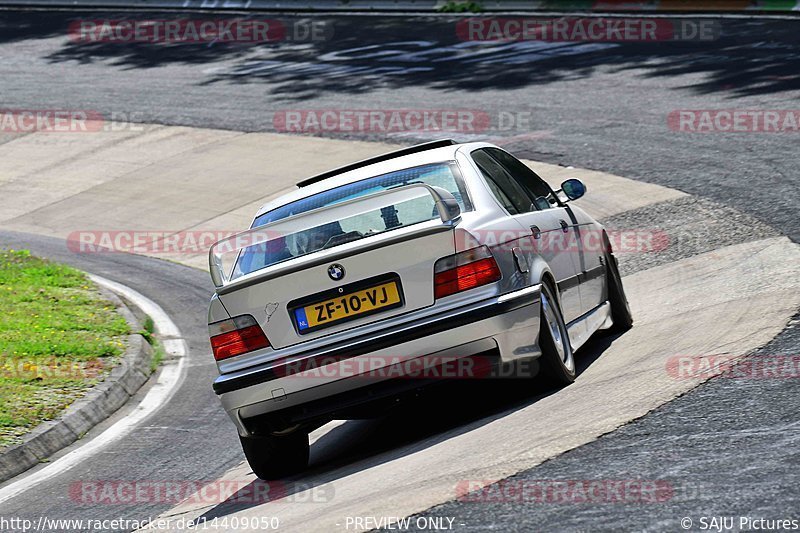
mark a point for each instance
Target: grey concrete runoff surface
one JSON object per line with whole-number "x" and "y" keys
{"x": 724, "y": 448}
{"x": 100, "y": 402}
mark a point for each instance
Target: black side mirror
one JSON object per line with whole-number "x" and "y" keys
{"x": 573, "y": 188}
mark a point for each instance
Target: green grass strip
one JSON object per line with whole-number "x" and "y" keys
{"x": 58, "y": 337}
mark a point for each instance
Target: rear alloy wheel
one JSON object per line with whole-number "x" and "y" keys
{"x": 620, "y": 309}
{"x": 558, "y": 361}
{"x": 276, "y": 456}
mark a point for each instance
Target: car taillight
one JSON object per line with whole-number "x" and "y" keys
{"x": 236, "y": 336}
{"x": 463, "y": 271}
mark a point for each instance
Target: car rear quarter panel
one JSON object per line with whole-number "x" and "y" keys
{"x": 491, "y": 225}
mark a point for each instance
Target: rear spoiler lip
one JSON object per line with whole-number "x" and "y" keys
{"x": 431, "y": 145}
{"x": 282, "y": 269}
{"x": 446, "y": 205}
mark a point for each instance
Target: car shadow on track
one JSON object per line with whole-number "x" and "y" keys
{"x": 441, "y": 413}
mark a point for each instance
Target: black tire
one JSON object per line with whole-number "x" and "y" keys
{"x": 276, "y": 456}
{"x": 558, "y": 361}
{"x": 620, "y": 308}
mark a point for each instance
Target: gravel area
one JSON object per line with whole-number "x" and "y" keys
{"x": 690, "y": 225}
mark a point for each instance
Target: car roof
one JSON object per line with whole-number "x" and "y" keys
{"x": 436, "y": 155}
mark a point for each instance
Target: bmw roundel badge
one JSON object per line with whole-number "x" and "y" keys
{"x": 336, "y": 272}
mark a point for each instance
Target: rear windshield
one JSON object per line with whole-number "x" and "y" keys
{"x": 370, "y": 222}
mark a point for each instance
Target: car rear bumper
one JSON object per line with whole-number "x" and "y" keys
{"x": 508, "y": 323}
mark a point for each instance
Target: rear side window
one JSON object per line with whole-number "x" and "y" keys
{"x": 507, "y": 191}
{"x": 536, "y": 187}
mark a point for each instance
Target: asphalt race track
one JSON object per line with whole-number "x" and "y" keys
{"x": 727, "y": 447}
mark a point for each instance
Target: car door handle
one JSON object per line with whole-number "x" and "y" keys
{"x": 564, "y": 226}
{"x": 537, "y": 233}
